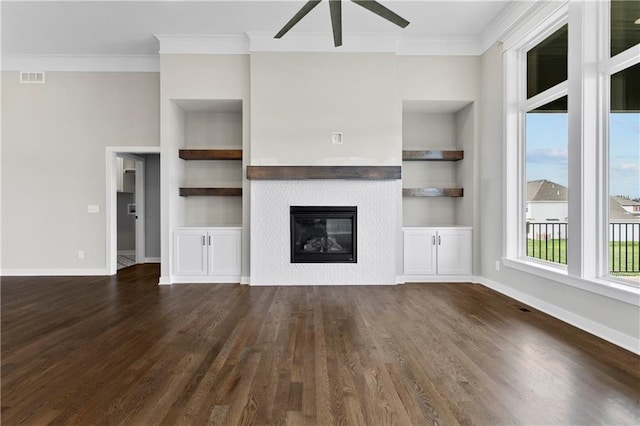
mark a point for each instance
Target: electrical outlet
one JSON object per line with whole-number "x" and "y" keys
{"x": 336, "y": 138}
{"x": 497, "y": 265}
{"x": 80, "y": 254}
{"x": 93, "y": 208}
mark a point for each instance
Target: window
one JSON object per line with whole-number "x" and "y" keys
{"x": 624, "y": 175}
{"x": 572, "y": 141}
{"x": 546, "y": 180}
{"x": 542, "y": 140}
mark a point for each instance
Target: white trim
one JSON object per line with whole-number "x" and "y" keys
{"x": 208, "y": 279}
{"x": 439, "y": 279}
{"x": 139, "y": 221}
{"x": 151, "y": 260}
{"x": 52, "y": 272}
{"x": 322, "y": 42}
{"x": 613, "y": 290}
{"x": 544, "y": 22}
{"x": 164, "y": 281}
{"x": 126, "y": 252}
{"x": 621, "y": 61}
{"x": 82, "y": 63}
{"x": 319, "y": 284}
{"x": 229, "y": 44}
{"x": 111, "y": 200}
{"x": 625, "y": 341}
{"x": 530, "y": 30}
{"x": 245, "y": 280}
{"x": 511, "y": 18}
{"x": 543, "y": 98}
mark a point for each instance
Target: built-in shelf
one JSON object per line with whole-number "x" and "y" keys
{"x": 210, "y": 154}
{"x": 432, "y": 155}
{"x": 218, "y": 192}
{"x": 432, "y": 192}
{"x": 324, "y": 172}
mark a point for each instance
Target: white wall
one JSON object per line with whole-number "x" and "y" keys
{"x": 438, "y": 78}
{"x": 299, "y": 99}
{"x": 606, "y": 315}
{"x": 53, "y": 164}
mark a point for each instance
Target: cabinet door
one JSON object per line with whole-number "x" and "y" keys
{"x": 454, "y": 252}
{"x": 419, "y": 252}
{"x": 189, "y": 252}
{"x": 224, "y": 253}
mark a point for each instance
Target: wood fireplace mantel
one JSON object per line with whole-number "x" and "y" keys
{"x": 324, "y": 172}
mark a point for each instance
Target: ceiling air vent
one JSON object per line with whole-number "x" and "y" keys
{"x": 31, "y": 76}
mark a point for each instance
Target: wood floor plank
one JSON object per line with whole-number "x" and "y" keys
{"x": 121, "y": 350}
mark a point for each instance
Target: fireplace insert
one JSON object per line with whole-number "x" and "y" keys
{"x": 323, "y": 234}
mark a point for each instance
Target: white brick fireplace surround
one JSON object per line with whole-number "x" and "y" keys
{"x": 377, "y": 230}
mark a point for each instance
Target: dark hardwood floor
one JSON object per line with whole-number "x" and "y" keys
{"x": 121, "y": 350}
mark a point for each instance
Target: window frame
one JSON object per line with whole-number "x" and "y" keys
{"x": 516, "y": 107}
{"x": 587, "y": 88}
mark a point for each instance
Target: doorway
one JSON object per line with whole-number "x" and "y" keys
{"x": 133, "y": 206}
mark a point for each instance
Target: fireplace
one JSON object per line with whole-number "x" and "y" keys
{"x": 323, "y": 234}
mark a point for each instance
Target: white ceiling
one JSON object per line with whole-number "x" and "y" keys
{"x": 128, "y": 27}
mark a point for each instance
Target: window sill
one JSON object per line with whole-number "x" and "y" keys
{"x": 614, "y": 290}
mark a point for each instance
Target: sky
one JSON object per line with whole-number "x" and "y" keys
{"x": 547, "y": 150}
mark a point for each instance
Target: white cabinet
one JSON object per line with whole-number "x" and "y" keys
{"x": 434, "y": 252}
{"x": 206, "y": 255}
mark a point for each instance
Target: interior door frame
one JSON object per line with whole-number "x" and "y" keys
{"x": 111, "y": 202}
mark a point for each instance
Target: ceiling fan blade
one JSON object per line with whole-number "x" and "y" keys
{"x": 335, "y": 7}
{"x": 382, "y": 11}
{"x": 297, "y": 17}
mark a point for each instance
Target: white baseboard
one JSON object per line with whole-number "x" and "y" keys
{"x": 164, "y": 281}
{"x": 439, "y": 278}
{"x": 52, "y": 272}
{"x": 151, "y": 260}
{"x": 208, "y": 279}
{"x": 625, "y": 341}
{"x": 245, "y": 280}
{"x": 127, "y": 252}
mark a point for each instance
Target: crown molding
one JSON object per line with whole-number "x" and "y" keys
{"x": 82, "y": 63}
{"x": 226, "y": 44}
{"x": 506, "y": 21}
{"x": 322, "y": 42}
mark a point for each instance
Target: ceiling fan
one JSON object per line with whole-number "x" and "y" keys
{"x": 335, "y": 8}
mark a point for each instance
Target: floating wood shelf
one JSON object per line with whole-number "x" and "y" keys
{"x": 210, "y": 154}
{"x": 432, "y": 192}
{"x": 324, "y": 172}
{"x": 218, "y": 192}
{"x": 432, "y": 155}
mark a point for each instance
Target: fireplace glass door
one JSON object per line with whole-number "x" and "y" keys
{"x": 323, "y": 234}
